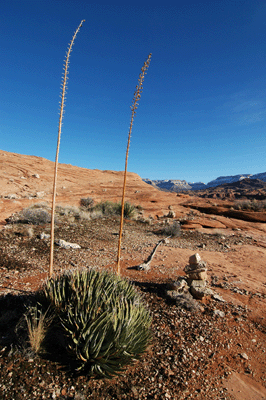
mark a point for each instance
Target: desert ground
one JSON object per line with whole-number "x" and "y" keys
{"x": 215, "y": 352}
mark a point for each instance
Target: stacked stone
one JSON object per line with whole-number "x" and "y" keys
{"x": 196, "y": 273}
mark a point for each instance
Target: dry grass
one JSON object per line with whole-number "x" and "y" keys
{"x": 134, "y": 107}
{"x": 38, "y": 323}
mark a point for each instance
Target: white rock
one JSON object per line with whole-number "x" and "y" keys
{"x": 40, "y": 194}
{"x": 66, "y": 245}
{"x": 219, "y": 313}
{"x": 217, "y": 297}
{"x": 44, "y": 236}
{"x": 11, "y": 196}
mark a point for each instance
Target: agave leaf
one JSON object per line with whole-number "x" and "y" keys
{"x": 104, "y": 319}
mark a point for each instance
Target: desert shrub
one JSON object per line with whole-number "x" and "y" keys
{"x": 254, "y": 205}
{"x": 72, "y": 212}
{"x": 110, "y": 208}
{"x": 66, "y": 210}
{"x": 107, "y": 208}
{"x": 173, "y": 229}
{"x": 87, "y": 202}
{"x": 129, "y": 210}
{"x": 32, "y": 215}
{"x": 104, "y": 322}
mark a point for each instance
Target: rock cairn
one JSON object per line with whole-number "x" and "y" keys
{"x": 186, "y": 290}
{"x": 196, "y": 272}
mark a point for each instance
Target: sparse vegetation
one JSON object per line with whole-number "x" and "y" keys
{"x": 253, "y": 205}
{"x": 172, "y": 230}
{"x": 37, "y": 325}
{"x": 110, "y": 208}
{"x": 129, "y": 210}
{"x": 40, "y": 214}
{"x": 87, "y": 202}
{"x": 34, "y": 215}
{"x": 107, "y": 208}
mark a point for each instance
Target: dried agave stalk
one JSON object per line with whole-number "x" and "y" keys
{"x": 62, "y": 105}
{"x": 134, "y": 107}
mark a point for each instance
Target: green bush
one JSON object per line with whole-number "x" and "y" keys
{"x": 129, "y": 210}
{"x": 105, "y": 324}
{"x": 110, "y": 208}
{"x": 107, "y": 208}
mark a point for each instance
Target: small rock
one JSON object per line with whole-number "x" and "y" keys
{"x": 44, "y": 236}
{"x": 244, "y": 355}
{"x": 36, "y": 176}
{"x": 135, "y": 391}
{"x": 171, "y": 214}
{"x": 40, "y": 195}
{"x": 66, "y": 245}
{"x": 219, "y": 313}
{"x": 11, "y": 196}
{"x": 202, "y": 245}
{"x": 195, "y": 259}
{"x": 198, "y": 288}
{"x": 199, "y": 274}
{"x": 217, "y": 297}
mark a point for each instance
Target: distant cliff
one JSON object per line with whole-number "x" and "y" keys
{"x": 177, "y": 185}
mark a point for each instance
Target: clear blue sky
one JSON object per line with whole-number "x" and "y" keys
{"x": 202, "y": 113}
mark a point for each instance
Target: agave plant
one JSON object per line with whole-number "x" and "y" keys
{"x": 103, "y": 318}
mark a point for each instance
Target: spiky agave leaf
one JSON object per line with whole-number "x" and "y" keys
{"x": 104, "y": 320}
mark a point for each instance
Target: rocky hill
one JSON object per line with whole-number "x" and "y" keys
{"x": 251, "y": 189}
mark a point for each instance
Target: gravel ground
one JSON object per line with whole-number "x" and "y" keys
{"x": 191, "y": 354}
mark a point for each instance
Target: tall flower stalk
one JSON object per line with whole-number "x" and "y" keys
{"x": 62, "y": 105}
{"x": 133, "y": 107}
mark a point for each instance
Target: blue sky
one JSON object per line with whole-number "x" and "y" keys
{"x": 202, "y": 113}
